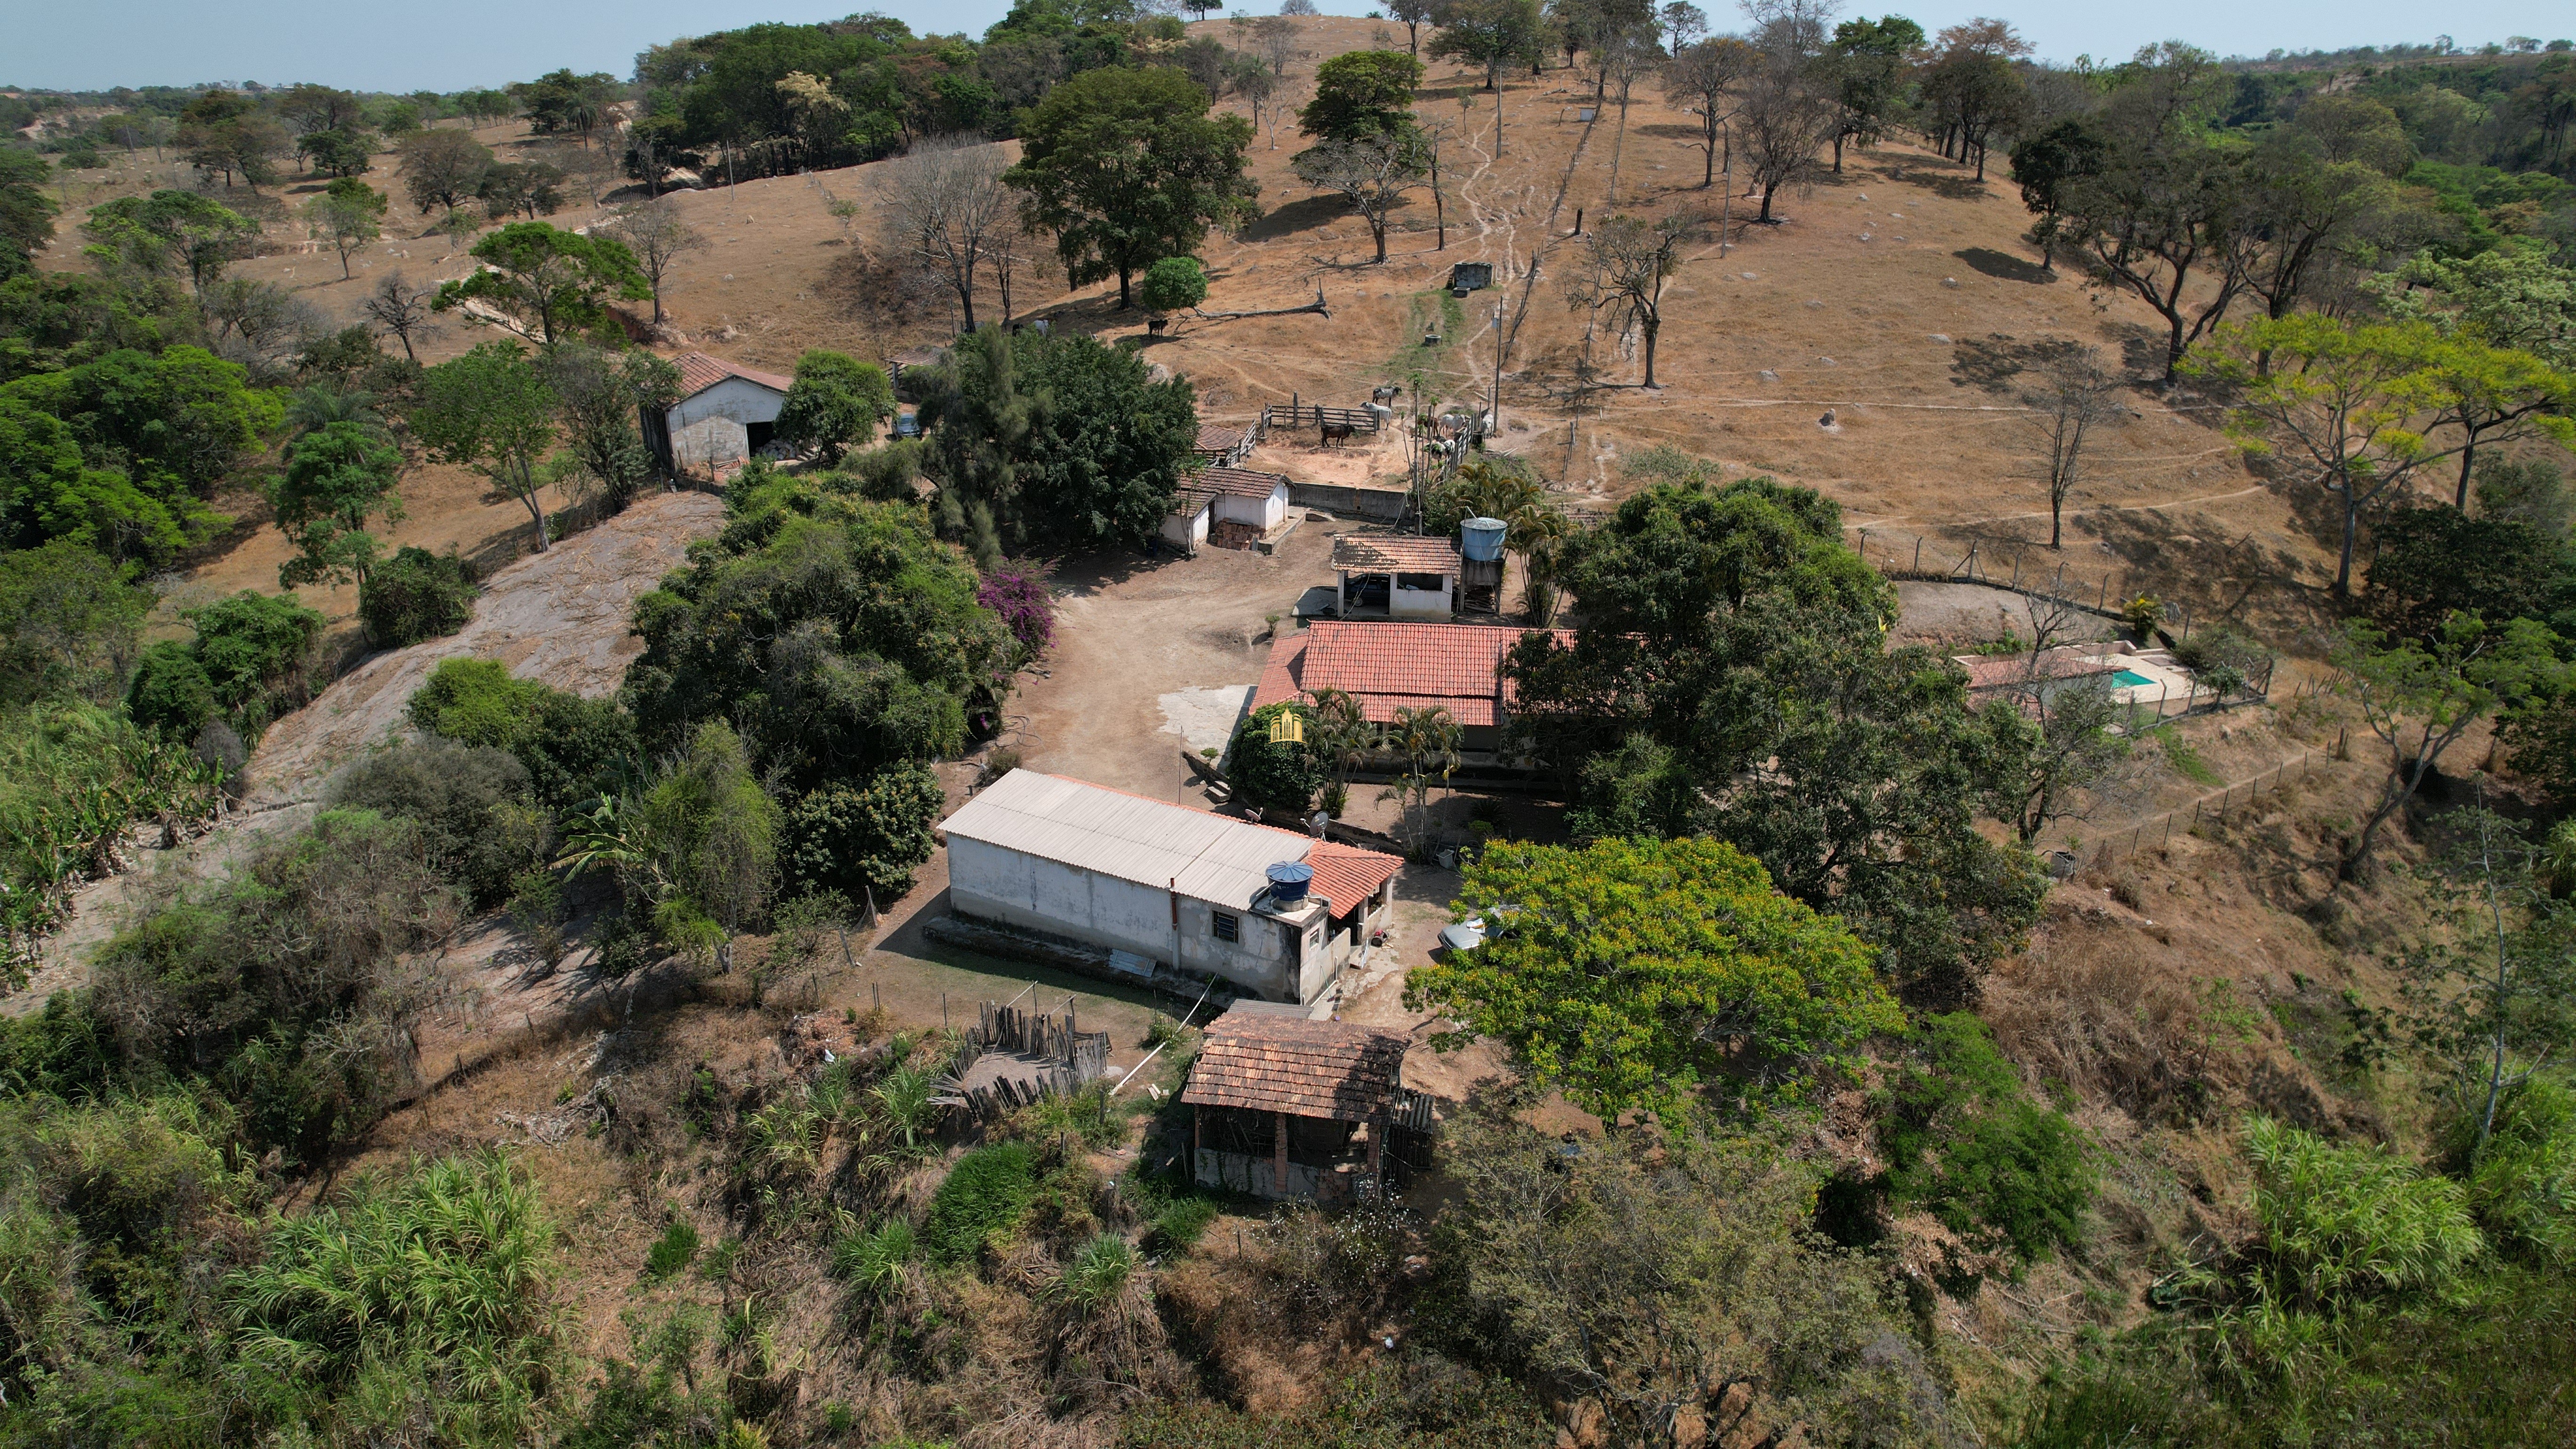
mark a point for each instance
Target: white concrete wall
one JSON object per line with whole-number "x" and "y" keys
{"x": 738, "y": 398}
{"x": 1420, "y": 603}
{"x": 1017, "y": 889}
{"x": 1262, "y": 513}
{"x": 1187, "y": 534}
{"x": 709, "y": 444}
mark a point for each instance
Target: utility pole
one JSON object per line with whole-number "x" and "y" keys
{"x": 1494, "y": 412}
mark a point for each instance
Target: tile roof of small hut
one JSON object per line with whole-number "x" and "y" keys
{"x": 698, "y": 372}
{"x": 1391, "y": 553}
{"x": 1266, "y": 1063}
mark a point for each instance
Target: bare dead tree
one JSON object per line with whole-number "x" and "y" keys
{"x": 1275, "y": 36}
{"x": 2075, "y": 394}
{"x": 401, "y": 310}
{"x": 946, "y": 203}
{"x": 1702, "y": 80}
{"x": 658, "y": 237}
{"x": 1372, "y": 173}
{"x": 1629, "y": 259}
{"x": 1625, "y": 59}
{"x": 1007, "y": 250}
{"x": 1786, "y": 119}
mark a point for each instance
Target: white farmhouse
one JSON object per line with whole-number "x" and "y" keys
{"x": 726, "y": 414}
{"x": 1274, "y": 913}
{"x": 1231, "y": 507}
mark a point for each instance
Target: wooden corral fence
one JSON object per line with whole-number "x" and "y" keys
{"x": 2158, "y": 829}
{"x": 1298, "y": 413}
{"x": 1073, "y": 1059}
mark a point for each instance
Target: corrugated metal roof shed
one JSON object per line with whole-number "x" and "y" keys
{"x": 1148, "y": 842}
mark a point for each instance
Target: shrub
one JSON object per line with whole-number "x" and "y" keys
{"x": 427, "y": 1295}
{"x": 2227, "y": 660}
{"x": 873, "y": 1261}
{"x": 470, "y": 802}
{"x": 1180, "y": 1224}
{"x": 70, "y": 625}
{"x": 1965, "y": 1142}
{"x": 2522, "y": 1180}
{"x": 1273, "y": 777}
{"x": 985, "y": 1195}
{"x": 1017, "y": 590}
{"x": 834, "y": 405}
{"x": 864, "y": 840}
{"x": 415, "y": 595}
{"x": 2339, "y": 1221}
{"x": 572, "y": 748}
{"x": 171, "y": 692}
{"x": 673, "y": 1251}
{"x": 257, "y": 650}
{"x": 1098, "y": 1273}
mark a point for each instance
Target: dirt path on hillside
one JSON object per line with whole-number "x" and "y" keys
{"x": 559, "y": 617}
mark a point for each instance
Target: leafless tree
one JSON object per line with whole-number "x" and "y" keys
{"x": 1625, "y": 59}
{"x": 1275, "y": 36}
{"x": 1702, "y": 79}
{"x": 1630, "y": 259}
{"x": 1007, "y": 250}
{"x": 945, "y": 203}
{"x": 401, "y": 310}
{"x": 1792, "y": 29}
{"x": 1786, "y": 120}
{"x": 1372, "y": 173}
{"x": 2075, "y": 394}
{"x": 658, "y": 237}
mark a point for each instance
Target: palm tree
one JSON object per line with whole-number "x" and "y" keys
{"x": 1427, "y": 738}
{"x": 1343, "y": 739}
{"x": 1533, "y": 524}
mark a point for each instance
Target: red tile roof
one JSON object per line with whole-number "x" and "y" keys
{"x": 1394, "y": 665}
{"x": 1188, "y": 500}
{"x": 1346, "y": 875}
{"x": 1383, "y": 553}
{"x": 1328, "y": 1069}
{"x": 1997, "y": 672}
{"x": 1220, "y": 437}
{"x": 1240, "y": 482}
{"x": 698, "y": 372}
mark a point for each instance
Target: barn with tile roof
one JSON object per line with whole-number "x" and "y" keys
{"x": 726, "y": 414}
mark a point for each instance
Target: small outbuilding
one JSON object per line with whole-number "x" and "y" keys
{"x": 1272, "y": 913}
{"x": 1230, "y": 507}
{"x": 1224, "y": 445}
{"x": 1396, "y": 576}
{"x": 1285, "y": 1107}
{"x": 726, "y": 414}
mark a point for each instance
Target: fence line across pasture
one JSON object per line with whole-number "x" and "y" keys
{"x": 2158, "y": 829}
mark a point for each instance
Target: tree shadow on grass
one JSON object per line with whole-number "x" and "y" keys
{"x": 1942, "y": 184}
{"x": 1303, "y": 214}
{"x": 2004, "y": 266}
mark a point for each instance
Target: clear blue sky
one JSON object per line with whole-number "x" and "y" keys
{"x": 452, "y": 44}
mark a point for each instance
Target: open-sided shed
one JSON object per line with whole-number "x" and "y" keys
{"x": 1288, "y": 1107}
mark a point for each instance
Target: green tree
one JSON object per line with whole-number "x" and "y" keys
{"x": 1284, "y": 775}
{"x": 1733, "y": 630}
{"x": 716, "y": 829}
{"x": 1362, "y": 93}
{"x": 491, "y": 411}
{"x": 121, "y": 452}
{"x": 70, "y": 624}
{"x": 1631, "y": 972}
{"x": 26, "y": 212}
{"x": 1868, "y": 60}
{"x": 865, "y": 838}
{"x": 837, "y": 634}
{"x": 601, "y": 398}
{"x": 346, "y": 151}
{"x": 548, "y": 284}
{"x": 335, "y": 477}
{"x": 1372, "y": 172}
{"x": 1127, "y": 166}
{"x": 1052, "y": 444}
{"x": 1173, "y": 284}
{"x": 573, "y": 748}
{"x": 169, "y": 233}
{"x": 2430, "y": 563}
{"x": 440, "y": 168}
{"x": 1490, "y": 34}
{"x": 2347, "y": 403}
{"x": 2420, "y": 696}
{"x": 836, "y": 404}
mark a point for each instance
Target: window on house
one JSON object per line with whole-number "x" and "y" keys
{"x": 1422, "y": 583}
{"x": 1225, "y": 927}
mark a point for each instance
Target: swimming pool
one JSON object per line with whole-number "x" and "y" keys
{"x": 2130, "y": 678}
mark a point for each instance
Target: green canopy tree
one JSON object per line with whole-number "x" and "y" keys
{"x": 26, "y": 212}
{"x": 548, "y": 284}
{"x": 1733, "y": 678}
{"x": 835, "y": 404}
{"x": 169, "y": 233}
{"x": 1127, "y": 166}
{"x": 491, "y": 411}
{"x": 335, "y": 477}
{"x": 122, "y": 452}
{"x": 1490, "y": 34}
{"x": 1631, "y": 972}
{"x": 1362, "y": 93}
{"x": 1867, "y": 60}
{"x": 1053, "y": 443}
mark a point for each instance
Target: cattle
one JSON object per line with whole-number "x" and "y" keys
{"x": 1337, "y": 432}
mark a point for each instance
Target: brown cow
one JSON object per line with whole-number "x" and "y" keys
{"x": 1337, "y": 432}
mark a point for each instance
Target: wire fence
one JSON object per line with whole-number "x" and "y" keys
{"x": 2106, "y": 595}
{"x": 2158, "y": 829}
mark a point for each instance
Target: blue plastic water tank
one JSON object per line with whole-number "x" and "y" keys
{"x": 1481, "y": 539}
{"x": 1289, "y": 879}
